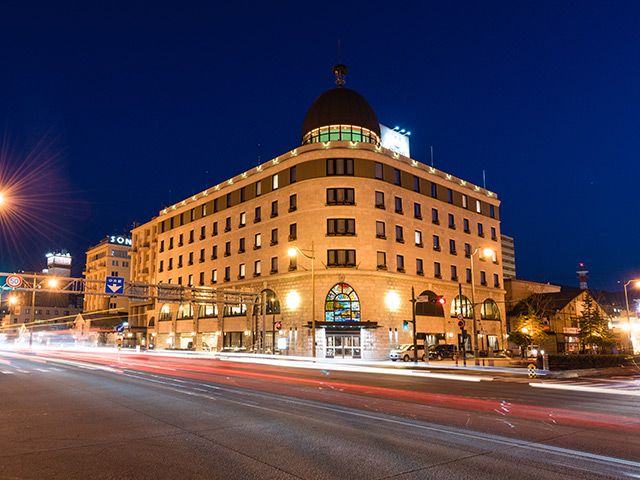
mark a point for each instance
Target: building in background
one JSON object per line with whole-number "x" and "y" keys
{"x": 109, "y": 258}
{"x": 376, "y": 223}
{"x": 508, "y": 256}
{"x": 59, "y": 264}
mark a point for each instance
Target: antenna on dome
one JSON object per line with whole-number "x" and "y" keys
{"x": 340, "y": 71}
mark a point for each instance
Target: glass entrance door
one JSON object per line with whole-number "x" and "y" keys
{"x": 343, "y": 346}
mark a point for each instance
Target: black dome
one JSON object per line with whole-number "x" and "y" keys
{"x": 340, "y": 106}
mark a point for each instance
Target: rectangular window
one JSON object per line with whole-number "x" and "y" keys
{"x": 381, "y": 260}
{"x": 190, "y": 280}
{"x": 179, "y": 263}
{"x": 418, "y": 238}
{"x": 293, "y": 203}
{"x": 227, "y": 274}
{"x": 258, "y": 188}
{"x": 341, "y": 258}
{"x": 170, "y": 243}
{"x": 242, "y": 271}
{"x": 161, "y": 267}
{"x": 227, "y": 249}
{"x": 293, "y": 232}
{"x": 257, "y": 268}
{"x": 227, "y": 224}
{"x": 274, "y": 236}
{"x": 241, "y": 245}
{"x": 437, "y": 272}
{"x": 214, "y": 276}
{"x": 243, "y": 194}
{"x": 243, "y": 219}
{"x": 341, "y": 226}
{"x": 274, "y": 264}
{"x": 180, "y": 240}
{"x": 449, "y": 195}
{"x": 494, "y": 234}
{"x": 416, "y": 184}
{"x": 161, "y": 246}
{"x": 380, "y": 230}
{"x": 293, "y": 175}
{"x": 274, "y": 208}
{"x": 417, "y": 211}
{"x": 496, "y": 280}
{"x": 399, "y": 234}
{"x": 214, "y": 229}
{"x": 465, "y": 201}
{"x": 170, "y": 266}
{"x": 214, "y": 252}
{"x": 454, "y": 272}
{"x": 379, "y": 171}
{"x": 434, "y": 216}
{"x": 340, "y": 196}
{"x": 202, "y": 255}
{"x": 397, "y": 177}
{"x": 436, "y": 243}
{"x": 257, "y": 216}
{"x": 465, "y": 226}
{"x": 380, "y": 200}
{"x": 434, "y": 190}
{"x": 468, "y": 279}
{"x": 216, "y": 205}
{"x": 452, "y": 221}
{"x": 398, "y": 204}
{"x": 419, "y": 267}
{"x": 467, "y": 250}
{"x": 478, "y": 206}
{"x": 203, "y": 232}
{"x": 274, "y": 182}
{"x": 480, "y": 230}
{"x": 228, "y": 199}
{"x": 257, "y": 243}
{"x": 203, "y": 210}
{"x": 201, "y": 279}
{"x": 293, "y": 263}
{"x": 339, "y": 166}
{"x": 191, "y": 236}
{"x": 483, "y": 277}
{"x": 492, "y": 211}
{"x": 452, "y": 247}
{"x": 192, "y": 214}
{"x": 400, "y": 263}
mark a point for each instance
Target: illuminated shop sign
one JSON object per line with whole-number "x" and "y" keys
{"x": 120, "y": 240}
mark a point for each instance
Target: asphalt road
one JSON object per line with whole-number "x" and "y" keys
{"x": 68, "y": 415}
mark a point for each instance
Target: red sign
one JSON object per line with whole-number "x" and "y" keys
{"x": 278, "y": 325}
{"x": 14, "y": 281}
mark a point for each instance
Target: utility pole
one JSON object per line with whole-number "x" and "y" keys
{"x": 413, "y": 320}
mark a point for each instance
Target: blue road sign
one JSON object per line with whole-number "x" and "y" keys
{"x": 120, "y": 328}
{"x": 114, "y": 286}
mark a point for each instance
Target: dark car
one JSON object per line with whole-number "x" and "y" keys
{"x": 440, "y": 352}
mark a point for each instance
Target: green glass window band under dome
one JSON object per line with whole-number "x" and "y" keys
{"x": 341, "y": 133}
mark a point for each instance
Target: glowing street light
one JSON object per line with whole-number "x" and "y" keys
{"x": 3, "y": 199}
{"x": 13, "y": 300}
{"x": 636, "y": 284}
{"x": 311, "y": 255}
{"x": 53, "y": 283}
{"x": 483, "y": 253}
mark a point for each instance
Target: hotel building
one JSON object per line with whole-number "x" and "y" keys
{"x": 377, "y": 224}
{"x": 109, "y": 258}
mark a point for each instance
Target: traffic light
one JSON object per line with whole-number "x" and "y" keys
{"x": 441, "y": 300}
{"x": 405, "y": 325}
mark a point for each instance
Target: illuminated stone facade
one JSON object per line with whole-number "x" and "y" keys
{"x": 110, "y": 257}
{"x": 380, "y": 223}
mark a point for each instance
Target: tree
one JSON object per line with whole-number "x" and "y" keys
{"x": 594, "y": 326}
{"x": 529, "y": 325}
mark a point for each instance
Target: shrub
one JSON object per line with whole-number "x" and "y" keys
{"x": 571, "y": 362}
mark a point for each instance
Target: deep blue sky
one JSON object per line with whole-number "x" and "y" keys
{"x": 152, "y": 102}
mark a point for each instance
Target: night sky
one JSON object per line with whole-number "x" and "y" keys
{"x": 134, "y": 107}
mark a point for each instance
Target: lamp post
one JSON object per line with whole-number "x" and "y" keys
{"x": 482, "y": 253}
{"x": 636, "y": 283}
{"x": 311, "y": 255}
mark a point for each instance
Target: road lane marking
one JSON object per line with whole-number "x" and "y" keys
{"x": 584, "y": 388}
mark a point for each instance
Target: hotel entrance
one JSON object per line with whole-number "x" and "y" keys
{"x": 343, "y": 345}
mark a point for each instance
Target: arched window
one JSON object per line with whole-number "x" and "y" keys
{"x": 185, "y": 311}
{"x": 272, "y": 302}
{"x": 152, "y": 322}
{"x": 489, "y": 310}
{"x": 342, "y": 304}
{"x": 463, "y": 307}
{"x": 207, "y": 310}
{"x": 165, "y": 313}
{"x": 431, "y": 308}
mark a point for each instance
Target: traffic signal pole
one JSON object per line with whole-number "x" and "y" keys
{"x": 413, "y": 320}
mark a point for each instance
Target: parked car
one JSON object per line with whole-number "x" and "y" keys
{"x": 405, "y": 353}
{"x": 440, "y": 352}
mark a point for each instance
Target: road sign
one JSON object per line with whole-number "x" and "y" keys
{"x": 120, "y": 328}
{"x": 14, "y": 281}
{"x": 460, "y": 316}
{"x": 461, "y": 323}
{"x": 114, "y": 285}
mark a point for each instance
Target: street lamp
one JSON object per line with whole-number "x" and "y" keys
{"x": 3, "y": 199}
{"x": 482, "y": 253}
{"x": 311, "y": 255}
{"x": 636, "y": 284}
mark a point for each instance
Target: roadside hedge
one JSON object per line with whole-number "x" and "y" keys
{"x": 579, "y": 361}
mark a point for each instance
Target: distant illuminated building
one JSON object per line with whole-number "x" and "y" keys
{"x": 59, "y": 264}
{"x": 508, "y": 256}
{"x": 110, "y": 257}
{"x": 380, "y": 223}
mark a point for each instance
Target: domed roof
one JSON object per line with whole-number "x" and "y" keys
{"x": 340, "y": 106}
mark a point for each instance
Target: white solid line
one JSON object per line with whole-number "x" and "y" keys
{"x": 580, "y": 388}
